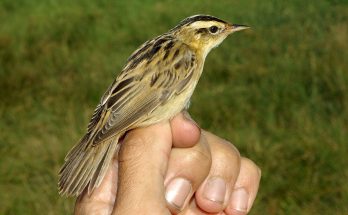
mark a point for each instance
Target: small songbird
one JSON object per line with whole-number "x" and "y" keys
{"x": 155, "y": 85}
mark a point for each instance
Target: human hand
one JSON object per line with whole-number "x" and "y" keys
{"x": 202, "y": 174}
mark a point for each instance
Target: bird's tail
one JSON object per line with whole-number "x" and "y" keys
{"x": 85, "y": 165}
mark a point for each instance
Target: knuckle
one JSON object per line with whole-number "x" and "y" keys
{"x": 199, "y": 155}
{"x": 227, "y": 151}
{"x": 222, "y": 147}
{"x": 233, "y": 149}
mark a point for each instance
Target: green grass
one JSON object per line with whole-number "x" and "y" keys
{"x": 278, "y": 92}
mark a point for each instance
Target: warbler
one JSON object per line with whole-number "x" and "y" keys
{"x": 155, "y": 84}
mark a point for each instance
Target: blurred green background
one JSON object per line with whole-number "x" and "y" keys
{"x": 279, "y": 92}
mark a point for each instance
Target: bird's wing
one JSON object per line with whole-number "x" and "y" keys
{"x": 144, "y": 85}
{"x": 149, "y": 80}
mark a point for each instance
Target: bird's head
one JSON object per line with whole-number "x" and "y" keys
{"x": 204, "y": 32}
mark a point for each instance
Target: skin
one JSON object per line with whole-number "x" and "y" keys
{"x": 148, "y": 163}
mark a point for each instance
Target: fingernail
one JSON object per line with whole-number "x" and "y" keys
{"x": 177, "y": 192}
{"x": 239, "y": 200}
{"x": 215, "y": 190}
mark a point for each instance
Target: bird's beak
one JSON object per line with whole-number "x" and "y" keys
{"x": 231, "y": 28}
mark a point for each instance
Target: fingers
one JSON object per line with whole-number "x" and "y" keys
{"x": 185, "y": 131}
{"x": 245, "y": 188}
{"x": 187, "y": 169}
{"x": 143, "y": 160}
{"x": 214, "y": 194}
{"x": 232, "y": 183}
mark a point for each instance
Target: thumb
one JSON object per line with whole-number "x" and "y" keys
{"x": 143, "y": 160}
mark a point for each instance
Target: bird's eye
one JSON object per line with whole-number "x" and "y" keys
{"x": 213, "y": 29}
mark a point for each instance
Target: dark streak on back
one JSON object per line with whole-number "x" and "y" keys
{"x": 176, "y": 53}
{"x": 166, "y": 55}
{"x": 169, "y": 45}
{"x": 177, "y": 65}
{"x": 149, "y": 51}
{"x": 143, "y": 49}
{"x": 154, "y": 79}
{"x": 167, "y": 49}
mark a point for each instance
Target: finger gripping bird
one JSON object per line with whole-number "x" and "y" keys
{"x": 155, "y": 84}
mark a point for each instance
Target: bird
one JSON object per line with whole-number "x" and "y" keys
{"x": 155, "y": 84}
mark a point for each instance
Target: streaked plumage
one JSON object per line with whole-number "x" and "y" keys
{"x": 155, "y": 84}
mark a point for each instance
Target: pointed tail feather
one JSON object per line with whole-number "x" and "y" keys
{"x": 85, "y": 165}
